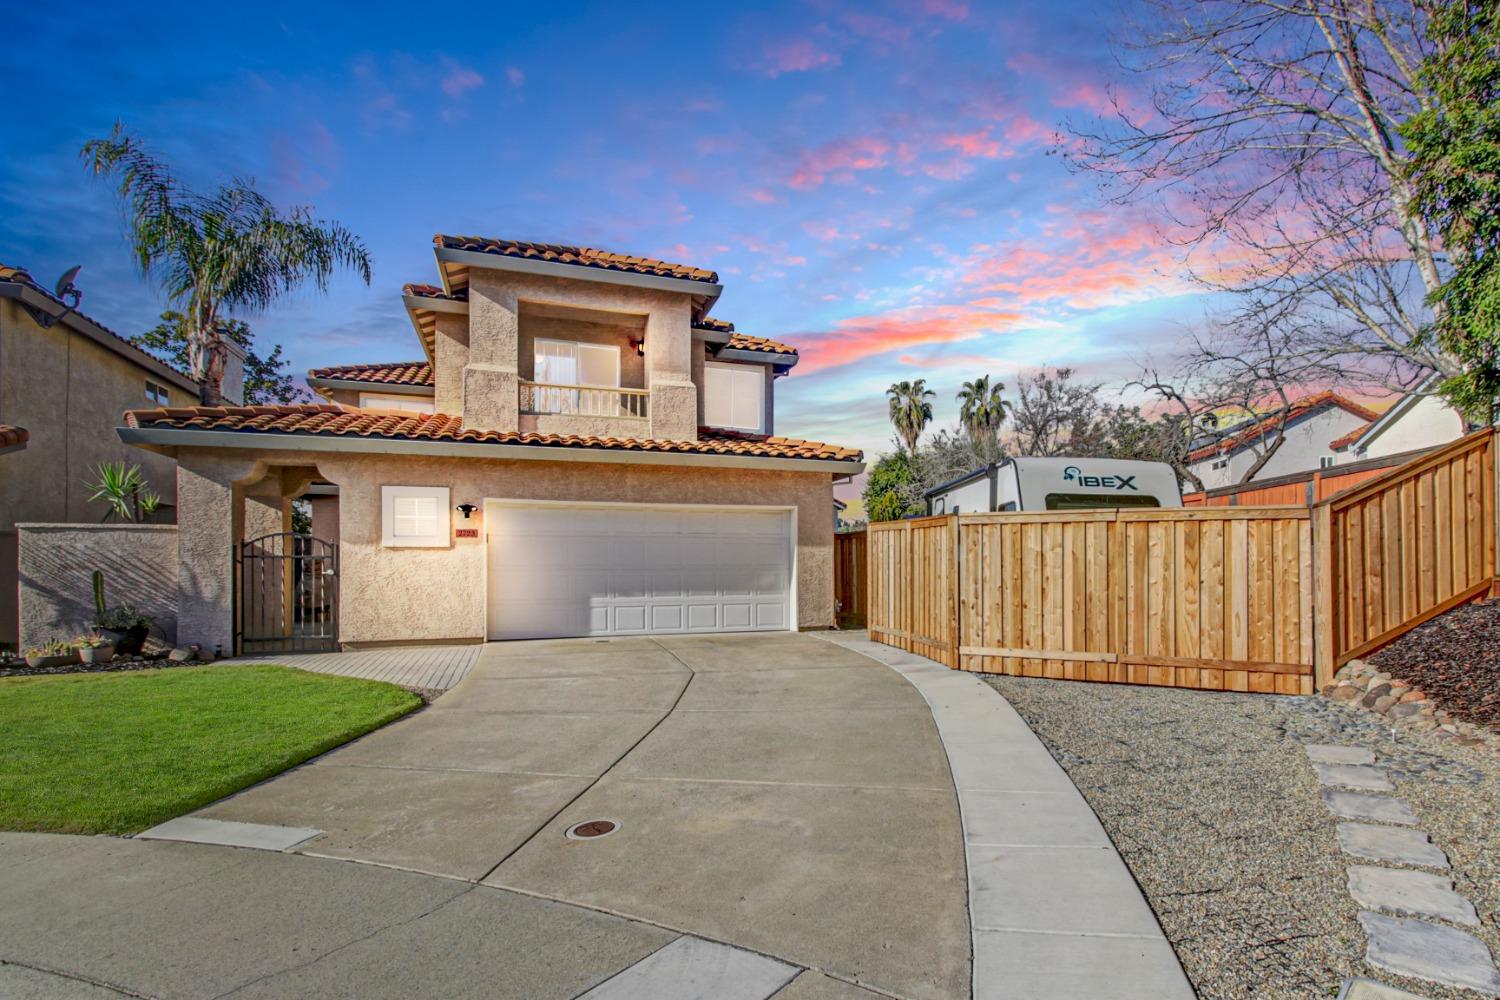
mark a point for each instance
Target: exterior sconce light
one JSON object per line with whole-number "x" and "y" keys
{"x": 466, "y": 509}
{"x": 640, "y": 346}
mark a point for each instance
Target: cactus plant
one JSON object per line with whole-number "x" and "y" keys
{"x": 99, "y": 605}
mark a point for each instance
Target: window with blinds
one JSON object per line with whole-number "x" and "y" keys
{"x": 414, "y": 516}
{"x": 734, "y": 396}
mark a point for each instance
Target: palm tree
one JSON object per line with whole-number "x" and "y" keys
{"x": 214, "y": 253}
{"x": 910, "y": 410}
{"x": 982, "y": 411}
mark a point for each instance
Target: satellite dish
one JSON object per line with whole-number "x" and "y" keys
{"x": 66, "y": 290}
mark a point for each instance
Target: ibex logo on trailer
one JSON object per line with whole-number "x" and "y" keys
{"x": 1073, "y": 474}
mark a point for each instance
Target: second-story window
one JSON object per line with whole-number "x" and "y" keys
{"x": 734, "y": 396}
{"x": 567, "y": 362}
{"x": 158, "y": 393}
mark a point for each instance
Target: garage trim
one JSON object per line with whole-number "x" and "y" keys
{"x": 793, "y": 615}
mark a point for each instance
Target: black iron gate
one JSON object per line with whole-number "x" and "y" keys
{"x": 286, "y": 595}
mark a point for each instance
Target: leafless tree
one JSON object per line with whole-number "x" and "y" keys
{"x": 1055, "y": 415}
{"x": 1242, "y": 379}
{"x": 1267, "y": 137}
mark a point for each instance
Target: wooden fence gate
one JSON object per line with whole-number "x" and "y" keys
{"x": 1268, "y": 599}
{"x": 851, "y": 578}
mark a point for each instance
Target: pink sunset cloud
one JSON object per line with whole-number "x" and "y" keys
{"x": 954, "y": 10}
{"x": 839, "y": 160}
{"x": 459, "y": 79}
{"x": 858, "y": 337}
{"x": 799, "y": 56}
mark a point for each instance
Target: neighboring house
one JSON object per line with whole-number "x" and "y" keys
{"x": 64, "y": 378}
{"x": 583, "y": 450}
{"x": 1310, "y": 426}
{"x": 1420, "y": 419}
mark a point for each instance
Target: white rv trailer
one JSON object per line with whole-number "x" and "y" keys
{"x": 1058, "y": 484}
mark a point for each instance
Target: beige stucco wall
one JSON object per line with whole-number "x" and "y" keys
{"x": 389, "y": 595}
{"x": 1427, "y": 424}
{"x": 57, "y": 561}
{"x": 493, "y": 367}
{"x": 69, "y": 393}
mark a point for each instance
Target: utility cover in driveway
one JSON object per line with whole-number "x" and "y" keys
{"x": 577, "y": 570}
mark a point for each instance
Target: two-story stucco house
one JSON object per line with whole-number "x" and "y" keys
{"x": 64, "y": 379}
{"x": 582, "y": 451}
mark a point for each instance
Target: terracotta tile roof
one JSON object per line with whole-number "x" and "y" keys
{"x": 434, "y": 292}
{"x": 745, "y": 342}
{"x": 1301, "y": 407}
{"x": 711, "y": 323}
{"x": 1339, "y": 444}
{"x": 329, "y": 420}
{"x": 392, "y": 373}
{"x": 12, "y": 437}
{"x": 581, "y": 256}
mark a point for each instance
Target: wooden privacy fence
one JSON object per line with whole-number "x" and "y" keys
{"x": 851, "y": 584}
{"x": 1404, "y": 548}
{"x": 1268, "y": 599}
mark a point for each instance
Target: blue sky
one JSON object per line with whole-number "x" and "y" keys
{"x": 872, "y": 180}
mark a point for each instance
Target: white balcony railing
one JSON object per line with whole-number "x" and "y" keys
{"x": 583, "y": 400}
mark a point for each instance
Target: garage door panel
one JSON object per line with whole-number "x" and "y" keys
{"x": 588, "y": 570}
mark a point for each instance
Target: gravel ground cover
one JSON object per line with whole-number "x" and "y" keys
{"x": 1455, "y": 658}
{"x": 1212, "y": 803}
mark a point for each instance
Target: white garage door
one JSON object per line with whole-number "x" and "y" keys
{"x": 575, "y": 570}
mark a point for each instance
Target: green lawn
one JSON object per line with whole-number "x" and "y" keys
{"x": 119, "y": 752}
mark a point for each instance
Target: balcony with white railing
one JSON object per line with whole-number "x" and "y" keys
{"x": 584, "y": 400}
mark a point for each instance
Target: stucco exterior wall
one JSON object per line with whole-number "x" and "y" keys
{"x": 1428, "y": 423}
{"x": 395, "y": 594}
{"x": 493, "y": 367}
{"x": 69, "y": 393}
{"x": 57, "y": 561}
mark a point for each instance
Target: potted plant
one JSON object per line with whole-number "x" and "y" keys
{"x": 55, "y": 653}
{"x": 94, "y": 649}
{"x": 122, "y": 626}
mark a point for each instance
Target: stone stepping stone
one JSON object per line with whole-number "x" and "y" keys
{"x": 1369, "y": 989}
{"x": 1360, "y": 776}
{"x": 1327, "y": 753}
{"x": 1395, "y": 844}
{"x": 1432, "y": 952}
{"x": 1419, "y": 894}
{"x": 1372, "y": 808}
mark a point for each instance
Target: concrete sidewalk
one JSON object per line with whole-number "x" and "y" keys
{"x": 1056, "y": 915}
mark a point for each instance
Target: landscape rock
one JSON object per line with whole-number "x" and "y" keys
{"x": 1384, "y": 705}
{"x": 183, "y": 653}
{"x": 1346, "y": 693}
{"x": 1415, "y": 694}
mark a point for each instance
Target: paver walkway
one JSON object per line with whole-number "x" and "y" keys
{"x": 436, "y": 668}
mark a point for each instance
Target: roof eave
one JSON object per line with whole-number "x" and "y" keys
{"x": 159, "y": 438}
{"x": 355, "y": 385}
{"x": 758, "y": 357}
{"x": 708, "y": 290}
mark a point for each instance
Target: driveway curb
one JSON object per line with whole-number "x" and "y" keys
{"x": 1053, "y": 910}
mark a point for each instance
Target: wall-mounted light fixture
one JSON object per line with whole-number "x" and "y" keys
{"x": 466, "y": 509}
{"x": 640, "y": 346}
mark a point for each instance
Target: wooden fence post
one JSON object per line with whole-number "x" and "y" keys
{"x": 1324, "y": 611}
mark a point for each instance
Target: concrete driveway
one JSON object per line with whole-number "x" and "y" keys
{"x": 785, "y": 815}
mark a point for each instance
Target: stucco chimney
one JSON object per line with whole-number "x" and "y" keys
{"x": 233, "y": 389}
